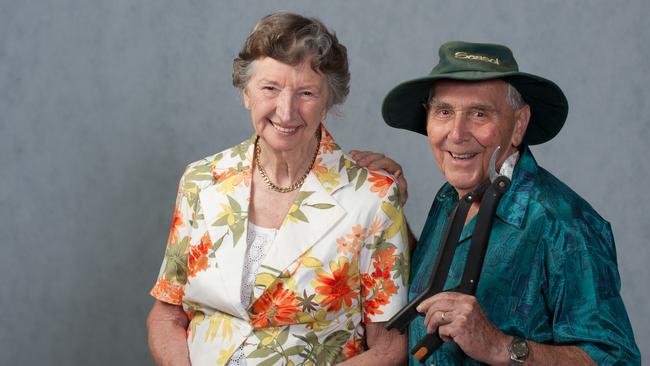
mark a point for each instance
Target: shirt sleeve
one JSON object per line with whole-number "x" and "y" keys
{"x": 171, "y": 280}
{"x": 384, "y": 261}
{"x": 584, "y": 288}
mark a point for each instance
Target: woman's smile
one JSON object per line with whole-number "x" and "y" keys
{"x": 285, "y": 129}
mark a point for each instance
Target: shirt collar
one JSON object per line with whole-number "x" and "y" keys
{"x": 514, "y": 203}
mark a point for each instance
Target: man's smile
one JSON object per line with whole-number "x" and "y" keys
{"x": 462, "y": 156}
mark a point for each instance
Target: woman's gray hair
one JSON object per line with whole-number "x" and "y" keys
{"x": 290, "y": 38}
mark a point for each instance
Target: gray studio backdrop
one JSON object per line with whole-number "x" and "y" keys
{"x": 102, "y": 103}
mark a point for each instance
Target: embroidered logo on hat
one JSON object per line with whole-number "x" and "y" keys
{"x": 468, "y": 56}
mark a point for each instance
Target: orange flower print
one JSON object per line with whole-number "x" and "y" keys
{"x": 221, "y": 175}
{"x": 367, "y": 284}
{"x": 352, "y": 348}
{"x": 177, "y": 222}
{"x": 318, "y": 168}
{"x": 370, "y": 307}
{"x": 338, "y": 288}
{"x": 358, "y": 234}
{"x": 168, "y": 291}
{"x": 277, "y": 306}
{"x": 326, "y": 175}
{"x": 384, "y": 260}
{"x": 245, "y": 177}
{"x": 229, "y": 179}
{"x": 377, "y": 296}
{"x": 389, "y": 288}
{"x": 352, "y": 243}
{"x": 378, "y": 286}
{"x": 376, "y": 227}
{"x": 380, "y": 183}
{"x": 347, "y": 247}
{"x": 327, "y": 143}
{"x": 198, "y": 256}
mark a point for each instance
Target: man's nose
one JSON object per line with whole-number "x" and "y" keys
{"x": 286, "y": 107}
{"x": 459, "y": 128}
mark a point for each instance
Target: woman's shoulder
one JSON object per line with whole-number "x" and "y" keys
{"x": 336, "y": 169}
{"x": 373, "y": 187}
{"x": 214, "y": 167}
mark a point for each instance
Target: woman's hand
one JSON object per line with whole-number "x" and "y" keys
{"x": 384, "y": 348}
{"x": 167, "y": 325}
{"x": 373, "y": 160}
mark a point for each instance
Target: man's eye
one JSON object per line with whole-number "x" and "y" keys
{"x": 307, "y": 93}
{"x": 443, "y": 112}
{"x": 479, "y": 114}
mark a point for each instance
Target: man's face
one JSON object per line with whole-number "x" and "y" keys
{"x": 466, "y": 122}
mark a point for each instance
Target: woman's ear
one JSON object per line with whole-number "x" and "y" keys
{"x": 324, "y": 114}
{"x": 246, "y": 98}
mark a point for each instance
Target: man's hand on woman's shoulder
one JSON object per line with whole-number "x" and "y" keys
{"x": 374, "y": 160}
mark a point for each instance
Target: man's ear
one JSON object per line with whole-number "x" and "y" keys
{"x": 522, "y": 117}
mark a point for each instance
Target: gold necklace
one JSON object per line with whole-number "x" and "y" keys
{"x": 297, "y": 184}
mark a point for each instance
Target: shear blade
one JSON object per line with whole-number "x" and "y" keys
{"x": 493, "y": 162}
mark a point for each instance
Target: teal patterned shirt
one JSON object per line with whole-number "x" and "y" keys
{"x": 549, "y": 275}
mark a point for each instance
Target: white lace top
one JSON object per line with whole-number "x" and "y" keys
{"x": 258, "y": 240}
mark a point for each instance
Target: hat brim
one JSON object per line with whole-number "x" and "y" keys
{"x": 403, "y": 106}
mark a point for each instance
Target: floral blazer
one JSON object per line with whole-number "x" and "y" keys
{"x": 339, "y": 259}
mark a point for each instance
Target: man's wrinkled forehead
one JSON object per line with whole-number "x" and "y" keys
{"x": 497, "y": 88}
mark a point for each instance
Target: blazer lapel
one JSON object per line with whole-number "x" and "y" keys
{"x": 313, "y": 214}
{"x": 225, "y": 209}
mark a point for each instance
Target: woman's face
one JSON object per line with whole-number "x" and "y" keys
{"x": 287, "y": 103}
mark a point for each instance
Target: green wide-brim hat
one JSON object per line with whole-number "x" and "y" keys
{"x": 404, "y": 108}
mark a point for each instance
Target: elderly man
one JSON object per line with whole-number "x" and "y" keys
{"x": 549, "y": 288}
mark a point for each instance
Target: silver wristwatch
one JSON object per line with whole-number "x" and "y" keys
{"x": 518, "y": 350}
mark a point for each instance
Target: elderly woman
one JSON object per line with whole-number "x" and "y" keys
{"x": 282, "y": 250}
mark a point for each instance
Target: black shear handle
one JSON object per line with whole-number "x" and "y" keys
{"x": 448, "y": 244}
{"x": 474, "y": 263}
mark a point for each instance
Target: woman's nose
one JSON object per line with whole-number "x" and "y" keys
{"x": 286, "y": 107}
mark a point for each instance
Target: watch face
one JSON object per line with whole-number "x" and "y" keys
{"x": 519, "y": 349}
